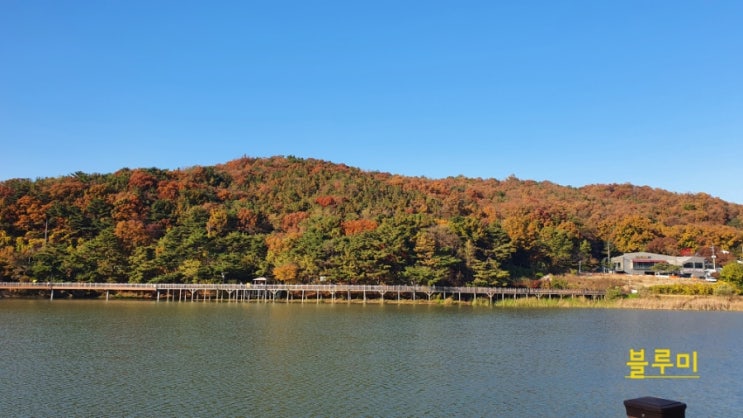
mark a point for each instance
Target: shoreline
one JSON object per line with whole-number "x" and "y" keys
{"x": 648, "y": 302}
{"x": 654, "y": 302}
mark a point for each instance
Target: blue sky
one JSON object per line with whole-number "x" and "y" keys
{"x": 574, "y": 92}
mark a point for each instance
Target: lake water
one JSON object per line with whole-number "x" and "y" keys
{"x": 136, "y": 358}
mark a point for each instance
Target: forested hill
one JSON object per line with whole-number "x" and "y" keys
{"x": 303, "y": 220}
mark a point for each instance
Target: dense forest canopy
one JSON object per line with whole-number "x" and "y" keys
{"x": 303, "y": 220}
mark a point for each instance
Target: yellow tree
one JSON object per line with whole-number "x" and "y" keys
{"x": 633, "y": 233}
{"x": 280, "y": 256}
{"x": 286, "y": 272}
{"x": 217, "y": 223}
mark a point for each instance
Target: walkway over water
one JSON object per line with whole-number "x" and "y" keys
{"x": 295, "y": 292}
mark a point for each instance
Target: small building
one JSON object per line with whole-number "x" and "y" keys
{"x": 643, "y": 262}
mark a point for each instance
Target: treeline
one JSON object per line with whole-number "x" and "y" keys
{"x": 304, "y": 220}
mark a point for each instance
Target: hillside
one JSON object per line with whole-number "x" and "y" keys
{"x": 300, "y": 220}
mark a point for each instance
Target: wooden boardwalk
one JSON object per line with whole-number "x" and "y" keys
{"x": 181, "y": 292}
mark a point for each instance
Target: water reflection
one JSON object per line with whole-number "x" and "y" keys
{"x": 142, "y": 358}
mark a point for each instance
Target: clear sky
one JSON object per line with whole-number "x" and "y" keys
{"x": 574, "y": 92}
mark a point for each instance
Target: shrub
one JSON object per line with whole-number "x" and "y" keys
{"x": 682, "y": 289}
{"x": 559, "y": 283}
{"x": 614, "y": 293}
{"x": 723, "y": 289}
{"x": 733, "y": 274}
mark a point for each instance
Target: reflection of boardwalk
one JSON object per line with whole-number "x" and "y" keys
{"x": 283, "y": 292}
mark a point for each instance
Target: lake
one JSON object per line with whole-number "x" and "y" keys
{"x": 142, "y": 358}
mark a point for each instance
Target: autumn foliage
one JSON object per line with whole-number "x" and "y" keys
{"x": 297, "y": 220}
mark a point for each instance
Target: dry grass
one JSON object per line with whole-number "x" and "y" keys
{"x": 654, "y": 302}
{"x": 624, "y": 281}
{"x": 595, "y": 282}
{"x": 681, "y": 302}
{"x": 645, "y": 300}
{"x": 533, "y": 302}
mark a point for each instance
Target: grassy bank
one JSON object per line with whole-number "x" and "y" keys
{"x": 650, "y": 302}
{"x": 682, "y": 302}
{"x": 656, "y": 302}
{"x": 553, "y": 303}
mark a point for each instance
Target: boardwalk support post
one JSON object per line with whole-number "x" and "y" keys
{"x": 260, "y": 294}
{"x": 651, "y": 407}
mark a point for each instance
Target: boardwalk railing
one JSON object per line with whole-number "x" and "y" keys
{"x": 272, "y": 291}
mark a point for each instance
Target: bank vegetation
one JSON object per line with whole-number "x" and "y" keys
{"x": 296, "y": 220}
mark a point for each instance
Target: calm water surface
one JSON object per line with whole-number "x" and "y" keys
{"x": 124, "y": 358}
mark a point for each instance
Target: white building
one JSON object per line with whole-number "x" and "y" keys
{"x": 642, "y": 263}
